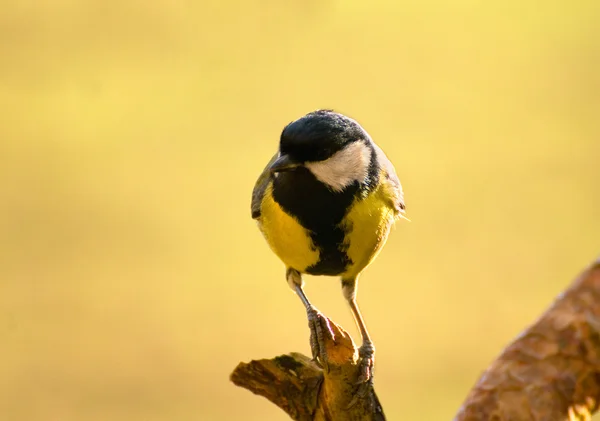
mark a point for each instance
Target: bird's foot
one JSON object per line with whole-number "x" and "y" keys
{"x": 317, "y": 339}
{"x": 366, "y": 363}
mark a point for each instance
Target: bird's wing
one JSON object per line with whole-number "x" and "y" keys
{"x": 392, "y": 181}
{"x": 259, "y": 188}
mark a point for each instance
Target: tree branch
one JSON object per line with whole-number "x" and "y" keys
{"x": 306, "y": 392}
{"x": 552, "y": 370}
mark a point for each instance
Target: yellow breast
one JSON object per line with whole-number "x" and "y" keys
{"x": 289, "y": 240}
{"x": 368, "y": 224}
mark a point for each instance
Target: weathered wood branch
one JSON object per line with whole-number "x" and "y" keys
{"x": 552, "y": 370}
{"x": 306, "y": 392}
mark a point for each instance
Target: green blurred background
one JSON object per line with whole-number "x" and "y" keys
{"x": 133, "y": 279}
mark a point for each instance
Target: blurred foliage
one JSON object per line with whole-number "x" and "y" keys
{"x": 133, "y": 279}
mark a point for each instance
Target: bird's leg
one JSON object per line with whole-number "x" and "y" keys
{"x": 367, "y": 350}
{"x": 317, "y": 346}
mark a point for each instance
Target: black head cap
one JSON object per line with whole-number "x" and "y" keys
{"x": 318, "y": 135}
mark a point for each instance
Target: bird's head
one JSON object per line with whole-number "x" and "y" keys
{"x": 333, "y": 147}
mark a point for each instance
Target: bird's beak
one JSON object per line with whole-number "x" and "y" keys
{"x": 283, "y": 163}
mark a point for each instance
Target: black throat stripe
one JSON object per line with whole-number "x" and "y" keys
{"x": 320, "y": 211}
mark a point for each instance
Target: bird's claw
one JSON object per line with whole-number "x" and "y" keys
{"x": 366, "y": 363}
{"x": 317, "y": 342}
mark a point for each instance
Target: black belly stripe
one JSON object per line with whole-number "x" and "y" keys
{"x": 320, "y": 211}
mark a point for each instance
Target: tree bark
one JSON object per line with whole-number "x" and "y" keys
{"x": 552, "y": 370}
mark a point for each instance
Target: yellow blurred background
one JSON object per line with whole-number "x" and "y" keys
{"x": 132, "y": 278}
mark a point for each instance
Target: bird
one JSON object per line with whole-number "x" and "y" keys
{"x": 325, "y": 203}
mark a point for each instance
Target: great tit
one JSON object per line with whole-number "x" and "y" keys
{"x": 325, "y": 203}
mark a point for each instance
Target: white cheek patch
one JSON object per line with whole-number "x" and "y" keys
{"x": 344, "y": 167}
